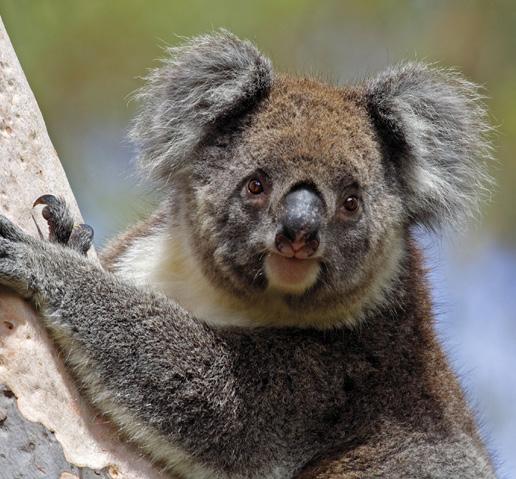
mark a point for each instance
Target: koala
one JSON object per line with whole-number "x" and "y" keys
{"x": 273, "y": 319}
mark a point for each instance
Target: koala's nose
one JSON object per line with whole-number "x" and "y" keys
{"x": 301, "y": 213}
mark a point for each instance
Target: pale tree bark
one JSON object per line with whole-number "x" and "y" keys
{"x": 46, "y": 429}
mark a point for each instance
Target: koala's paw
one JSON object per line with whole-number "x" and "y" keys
{"x": 61, "y": 225}
{"x": 17, "y": 270}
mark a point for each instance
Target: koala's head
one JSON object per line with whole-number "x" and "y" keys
{"x": 297, "y": 193}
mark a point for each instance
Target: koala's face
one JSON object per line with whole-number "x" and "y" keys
{"x": 298, "y": 195}
{"x": 294, "y": 199}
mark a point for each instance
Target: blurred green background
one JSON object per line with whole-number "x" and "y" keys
{"x": 84, "y": 59}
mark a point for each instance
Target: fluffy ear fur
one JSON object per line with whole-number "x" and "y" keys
{"x": 434, "y": 127}
{"x": 207, "y": 79}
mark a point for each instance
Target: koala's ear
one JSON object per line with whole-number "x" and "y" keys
{"x": 434, "y": 127}
{"x": 208, "y": 79}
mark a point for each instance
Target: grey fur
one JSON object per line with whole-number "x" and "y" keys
{"x": 437, "y": 124}
{"x": 208, "y": 78}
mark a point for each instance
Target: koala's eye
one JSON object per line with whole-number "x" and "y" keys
{"x": 255, "y": 186}
{"x": 351, "y": 203}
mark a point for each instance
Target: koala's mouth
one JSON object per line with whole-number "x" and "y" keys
{"x": 291, "y": 275}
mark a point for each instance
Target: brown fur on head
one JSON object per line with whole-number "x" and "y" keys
{"x": 408, "y": 146}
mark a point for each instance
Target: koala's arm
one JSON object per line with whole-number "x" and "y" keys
{"x": 163, "y": 377}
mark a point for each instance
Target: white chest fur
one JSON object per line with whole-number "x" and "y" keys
{"x": 163, "y": 261}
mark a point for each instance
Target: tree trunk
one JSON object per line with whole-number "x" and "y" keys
{"x": 46, "y": 430}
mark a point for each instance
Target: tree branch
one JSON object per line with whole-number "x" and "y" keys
{"x": 71, "y": 438}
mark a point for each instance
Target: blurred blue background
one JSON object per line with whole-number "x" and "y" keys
{"x": 83, "y": 59}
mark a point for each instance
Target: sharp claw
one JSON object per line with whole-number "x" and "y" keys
{"x": 61, "y": 226}
{"x": 58, "y": 217}
{"x": 81, "y": 238}
{"x": 49, "y": 200}
{"x": 87, "y": 230}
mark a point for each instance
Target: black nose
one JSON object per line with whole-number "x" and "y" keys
{"x": 302, "y": 210}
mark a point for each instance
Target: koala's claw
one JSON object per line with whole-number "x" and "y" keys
{"x": 58, "y": 217}
{"x": 61, "y": 224}
{"x": 81, "y": 238}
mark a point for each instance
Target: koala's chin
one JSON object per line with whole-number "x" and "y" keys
{"x": 291, "y": 275}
